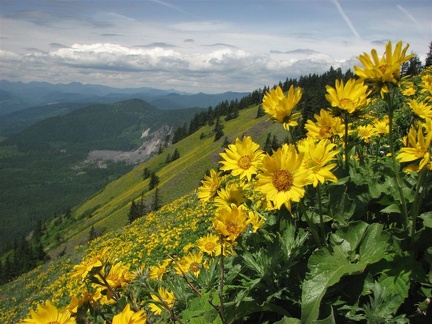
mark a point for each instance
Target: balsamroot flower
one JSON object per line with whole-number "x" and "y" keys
{"x": 349, "y": 97}
{"x": 209, "y": 244}
{"x": 233, "y": 193}
{"x": 284, "y": 177}
{"x": 281, "y": 107}
{"x": 421, "y": 109}
{"x": 426, "y": 83}
{"x": 365, "y": 132}
{"x": 326, "y": 126}
{"x": 417, "y": 147}
{"x": 128, "y": 316}
{"x": 48, "y": 313}
{"x": 210, "y": 185}
{"x": 87, "y": 266}
{"x": 165, "y": 298}
{"x": 242, "y": 158}
{"x": 230, "y": 222}
{"x": 381, "y": 126}
{"x": 381, "y": 71}
{"x": 190, "y": 263}
{"x": 157, "y": 272}
{"x": 316, "y": 159}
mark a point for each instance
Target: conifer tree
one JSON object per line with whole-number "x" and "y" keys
{"x": 218, "y": 130}
{"x": 428, "y": 61}
{"x": 154, "y": 181}
{"x": 156, "y": 205}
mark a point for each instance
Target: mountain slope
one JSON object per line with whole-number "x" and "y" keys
{"x": 43, "y": 168}
{"x": 108, "y": 209}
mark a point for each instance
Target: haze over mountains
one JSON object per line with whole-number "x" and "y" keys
{"x": 23, "y": 104}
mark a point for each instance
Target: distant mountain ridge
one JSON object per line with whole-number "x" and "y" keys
{"x": 23, "y": 104}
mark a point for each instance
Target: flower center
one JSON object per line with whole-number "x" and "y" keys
{"x": 54, "y": 322}
{"x": 282, "y": 180}
{"x": 324, "y": 131}
{"x": 345, "y": 102}
{"x": 209, "y": 246}
{"x": 313, "y": 165}
{"x": 244, "y": 162}
{"x": 194, "y": 267}
{"x": 161, "y": 271}
{"x": 232, "y": 228}
{"x": 383, "y": 68}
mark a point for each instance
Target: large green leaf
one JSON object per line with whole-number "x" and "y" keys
{"x": 350, "y": 251}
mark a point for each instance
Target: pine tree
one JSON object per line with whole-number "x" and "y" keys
{"x": 175, "y": 155}
{"x": 154, "y": 181}
{"x": 156, "y": 205}
{"x": 428, "y": 61}
{"x": 260, "y": 111}
{"x": 218, "y": 130}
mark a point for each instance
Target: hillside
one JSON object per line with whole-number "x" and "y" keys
{"x": 45, "y": 169}
{"x": 107, "y": 210}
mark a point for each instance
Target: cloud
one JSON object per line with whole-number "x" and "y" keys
{"x": 296, "y": 51}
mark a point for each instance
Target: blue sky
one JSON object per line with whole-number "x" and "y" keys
{"x": 199, "y": 45}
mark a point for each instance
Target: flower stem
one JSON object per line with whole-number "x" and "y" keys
{"x": 346, "y": 142}
{"x": 221, "y": 309}
{"x": 323, "y": 234}
{"x": 390, "y": 106}
{"x": 417, "y": 202}
{"x": 310, "y": 224}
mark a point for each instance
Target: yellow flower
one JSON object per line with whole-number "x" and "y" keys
{"x": 381, "y": 71}
{"x": 350, "y": 97}
{"x": 381, "y": 126}
{"x": 209, "y": 186}
{"x": 165, "y": 299}
{"x": 421, "y": 109}
{"x": 209, "y": 244}
{"x": 417, "y": 147}
{"x": 242, "y": 158}
{"x": 230, "y": 221}
{"x": 48, "y": 313}
{"x": 233, "y": 193}
{"x": 426, "y": 84}
{"x": 118, "y": 276}
{"x": 326, "y": 126}
{"x": 366, "y": 132}
{"x": 87, "y": 266}
{"x": 127, "y": 316}
{"x": 408, "y": 92}
{"x": 283, "y": 178}
{"x": 190, "y": 263}
{"x": 317, "y": 157}
{"x": 255, "y": 220}
{"x": 281, "y": 107}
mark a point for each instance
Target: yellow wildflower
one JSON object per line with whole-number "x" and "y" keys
{"x": 209, "y": 186}
{"x": 326, "y": 126}
{"x": 233, "y": 193}
{"x": 190, "y": 263}
{"x": 281, "y": 107}
{"x": 230, "y": 221}
{"x": 164, "y": 300}
{"x": 283, "y": 178}
{"x": 382, "y": 71}
{"x": 48, "y": 313}
{"x": 128, "y": 316}
{"x": 209, "y": 244}
{"x": 349, "y": 97}
{"x": 317, "y": 157}
{"x": 421, "y": 109}
{"x": 242, "y": 158}
{"x": 417, "y": 147}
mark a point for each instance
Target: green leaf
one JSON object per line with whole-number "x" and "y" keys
{"x": 350, "y": 251}
{"x": 393, "y": 208}
{"x": 427, "y": 219}
{"x": 288, "y": 320}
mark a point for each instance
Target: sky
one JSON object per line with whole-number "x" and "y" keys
{"x": 209, "y": 46}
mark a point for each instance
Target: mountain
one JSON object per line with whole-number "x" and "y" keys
{"x": 23, "y": 104}
{"x": 49, "y": 167}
